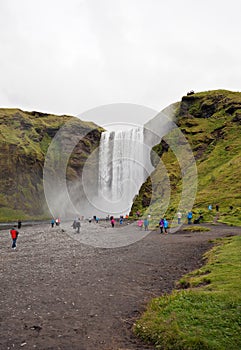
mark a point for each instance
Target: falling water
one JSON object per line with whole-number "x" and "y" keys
{"x": 121, "y": 168}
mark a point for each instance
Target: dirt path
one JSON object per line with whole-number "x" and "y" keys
{"x": 57, "y": 293}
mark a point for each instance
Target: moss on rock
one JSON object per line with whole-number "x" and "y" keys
{"x": 211, "y": 123}
{"x": 24, "y": 141}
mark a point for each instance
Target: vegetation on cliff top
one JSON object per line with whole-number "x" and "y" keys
{"x": 211, "y": 122}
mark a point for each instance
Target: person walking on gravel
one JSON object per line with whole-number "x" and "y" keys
{"x": 161, "y": 225}
{"x": 179, "y": 218}
{"x": 112, "y": 221}
{"x": 146, "y": 224}
{"x": 14, "y": 235}
{"x": 189, "y": 217}
{"x": 19, "y": 224}
{"x": 77, "y": 225}
{"x": 140, "y": 223}
{"x": 165, "y": 224}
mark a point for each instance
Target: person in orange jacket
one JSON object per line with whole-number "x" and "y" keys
{"x": 14, "y": 235}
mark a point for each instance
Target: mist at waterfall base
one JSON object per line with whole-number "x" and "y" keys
{"x": 124, "y": 163}
{"x": 112, "y": 174}
{"x": 111, "y": 177}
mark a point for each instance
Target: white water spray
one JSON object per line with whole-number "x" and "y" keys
{"x": 121, "y": 168}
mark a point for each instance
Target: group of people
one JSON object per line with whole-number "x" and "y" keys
{"x": 55, "y": 222}
{"x": 109, "y": 218}
{"x": 210, "y": 207}
{"x": 145, "y": 223}
{"x": 163, "y": 224}
{"x": 76, "y": 225}
{"x": 77, "y": 221}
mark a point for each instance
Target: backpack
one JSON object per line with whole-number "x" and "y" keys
{"x": 189, "y": 215}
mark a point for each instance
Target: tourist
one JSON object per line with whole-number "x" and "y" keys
{"x": 14, "y": 235}
{"x": 52, "y": 223}
{"x": 217, "y": 207}
{"x": 165, "y": 225}
{"x": 77, "y": 225}
{"x": 140, "y": 223}
{"x": 161, "y": 225}
{"x": 74, "y": 223}
{"x": 112, "y": 221}
{"x": 189, "y": 217}
{"x": 57, "y": 221}
{"x": 210, "y": 207}
{"x": 19, "y": 224}
{"x": 179, "y": 217}
{"x": 146, "y": 224}
{"x": 90, "y": 219}
{"x": 197, "y": 221}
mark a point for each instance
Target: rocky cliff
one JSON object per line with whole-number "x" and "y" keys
{"x": 211, "y": 122}
{"x": 24, "y": 141}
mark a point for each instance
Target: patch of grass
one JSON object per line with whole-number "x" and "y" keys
{"x": 207, "y": 317}
{"x": 196, "y": 229}
{"x": 8, "y": 214}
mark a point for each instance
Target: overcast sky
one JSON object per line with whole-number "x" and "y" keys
{"x": 69, "y": 56}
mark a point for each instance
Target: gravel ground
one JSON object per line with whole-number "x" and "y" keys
{"x": 62, "y": 290}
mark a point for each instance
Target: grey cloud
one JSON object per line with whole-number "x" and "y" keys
{"x": 71, "y": 56}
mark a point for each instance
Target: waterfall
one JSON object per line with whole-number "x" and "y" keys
{"x": 121, "y": 169}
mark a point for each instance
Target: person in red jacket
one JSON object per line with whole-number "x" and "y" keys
{"x": 14, "y": 235}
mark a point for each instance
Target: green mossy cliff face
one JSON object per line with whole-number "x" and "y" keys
{"x": 211, "y": 122}
{"x": 24, "y": 141}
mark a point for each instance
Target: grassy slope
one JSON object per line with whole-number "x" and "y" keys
{"x": 211, "y": 122}
{"x": 24, "y": 140}
{"x": 207, "y": 315}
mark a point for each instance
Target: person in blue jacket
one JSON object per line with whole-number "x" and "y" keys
{"x": 189, "y": 217}
{"x": 165, "y": 224}
{"x": 146, "y": 224}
